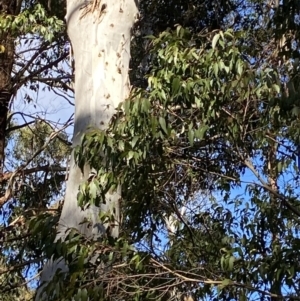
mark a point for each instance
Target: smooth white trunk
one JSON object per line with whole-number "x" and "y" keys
{"x": 101, "y": 46}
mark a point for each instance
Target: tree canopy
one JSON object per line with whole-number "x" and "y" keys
{"x": 206, "y": 149}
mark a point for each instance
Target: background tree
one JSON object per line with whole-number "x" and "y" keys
{"x": 33, "y": 150}
{"x": 34, "y": 199}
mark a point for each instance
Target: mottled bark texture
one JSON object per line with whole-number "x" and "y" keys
{"x": 100, "y": 33}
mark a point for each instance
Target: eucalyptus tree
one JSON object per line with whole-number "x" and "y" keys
{"x": 31, "y": 50}
{"x": 105, "y": 59}
{"x": 214, "y": 99}
{"x": 29, "y": 217}
{"x": 100, "y": 34}
{"x": 34, "y": 58}
{"x": 218, "y": 104}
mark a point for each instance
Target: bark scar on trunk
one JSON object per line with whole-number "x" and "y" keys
{"x": 92, "y": 6}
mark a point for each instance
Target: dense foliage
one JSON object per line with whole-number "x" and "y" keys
{"x": 33, "y": 58}
{"x": 206, "y": 149}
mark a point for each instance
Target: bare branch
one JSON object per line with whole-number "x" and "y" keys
{"x": 17, "y": 127}
{"x": 19, "y": 170}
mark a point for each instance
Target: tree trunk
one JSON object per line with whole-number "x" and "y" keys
{"x": 7, "y": 7}
{"x": 100, "y": 33}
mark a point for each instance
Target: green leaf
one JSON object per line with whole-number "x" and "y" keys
{"x": 130, "y": 155}
{"x": 146, "y": 105}
{"x": 191, "y": 136}
{"x": 239, "y": 67}
{"x": 134, "y": 141}
{"x": 296, "y": 111}
{"x": 276, "y": 88}
{"x": 215, "y": 40}
{"x": 225, "y": 283}
{"x": 230, "y": 263}
{"x": 201, "y": 131}
{"x": 162, "y": 123}
{"x": 121, "y": 145}
{"x": 216, "y": 69}
{"x": 175, "y": 86}
{"x": 93, "y": 190}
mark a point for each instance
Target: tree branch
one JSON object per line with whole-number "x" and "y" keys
{"x": 19, "y": 170}
{"x": 267, "y": 187}
{"x": 17, "y": 127}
